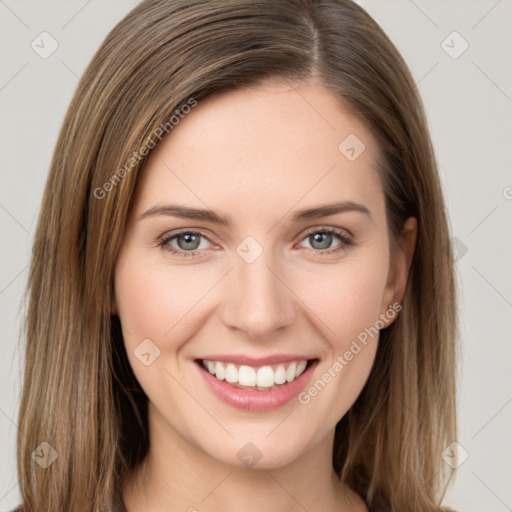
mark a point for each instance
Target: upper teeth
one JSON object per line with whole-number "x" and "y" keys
{"x": 263, "y": 377}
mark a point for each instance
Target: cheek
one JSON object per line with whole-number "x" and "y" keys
{"x": 160, "y": 303}
{"x": 156, "y": 301}
{"x": 166, "y": 302}
{"x": 346, "y": 301}
{"x": 346, "y": 297}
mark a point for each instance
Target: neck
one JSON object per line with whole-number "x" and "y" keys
{"x": 177, "y": 476}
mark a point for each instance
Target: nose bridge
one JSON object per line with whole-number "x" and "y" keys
{"x": 258, "y": 301}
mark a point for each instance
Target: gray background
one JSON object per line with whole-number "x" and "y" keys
{"x": 469, "y": 106}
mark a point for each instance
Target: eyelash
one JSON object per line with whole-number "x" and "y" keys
{"x": 346, "y": 242}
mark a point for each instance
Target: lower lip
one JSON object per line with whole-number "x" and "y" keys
{"x": 252, "y": 399}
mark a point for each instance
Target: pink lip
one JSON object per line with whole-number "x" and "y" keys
{"x": 252, "y": 399}
{"x": 254, "y": 361}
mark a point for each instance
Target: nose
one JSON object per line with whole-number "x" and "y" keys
{"x": 258, "y": 299}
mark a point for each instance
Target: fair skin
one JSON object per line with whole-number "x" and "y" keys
{"x": 256, "y": 155}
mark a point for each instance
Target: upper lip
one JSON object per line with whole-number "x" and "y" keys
{"x": 256, "y": 361}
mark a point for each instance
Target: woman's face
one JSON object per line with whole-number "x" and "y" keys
{"x": 265, "y": 290}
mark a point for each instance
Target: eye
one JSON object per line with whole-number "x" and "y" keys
{"x": 322, "y": 238}
{"x": 188, "y": 242}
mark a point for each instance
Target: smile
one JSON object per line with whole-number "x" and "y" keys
{"x": 264, "y": 377}
{"x": 256, "y": 385}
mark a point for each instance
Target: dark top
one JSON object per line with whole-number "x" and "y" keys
{"x": 122, "y": 509}
{"x": 119, "y": 508}
{"x": 115, "y": 509}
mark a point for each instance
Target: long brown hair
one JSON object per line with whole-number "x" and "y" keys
{"x": 79, "y": 394}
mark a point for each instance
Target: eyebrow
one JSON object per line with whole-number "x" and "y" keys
{"x": 185, "y": 212}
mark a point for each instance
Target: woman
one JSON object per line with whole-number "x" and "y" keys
{"x": 241, "y": 291}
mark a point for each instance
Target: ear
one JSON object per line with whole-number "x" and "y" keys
{"x": 399, "y": 266}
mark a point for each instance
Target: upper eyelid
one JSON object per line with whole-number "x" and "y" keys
{"x": 197, "y": 231}
{"x": 327, "y": 228}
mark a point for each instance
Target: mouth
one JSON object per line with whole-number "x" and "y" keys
{"x": 262, "y": 378}
{"x": 250, "y": 385}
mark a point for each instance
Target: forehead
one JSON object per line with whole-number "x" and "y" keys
{"x": 263, "y": 148}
